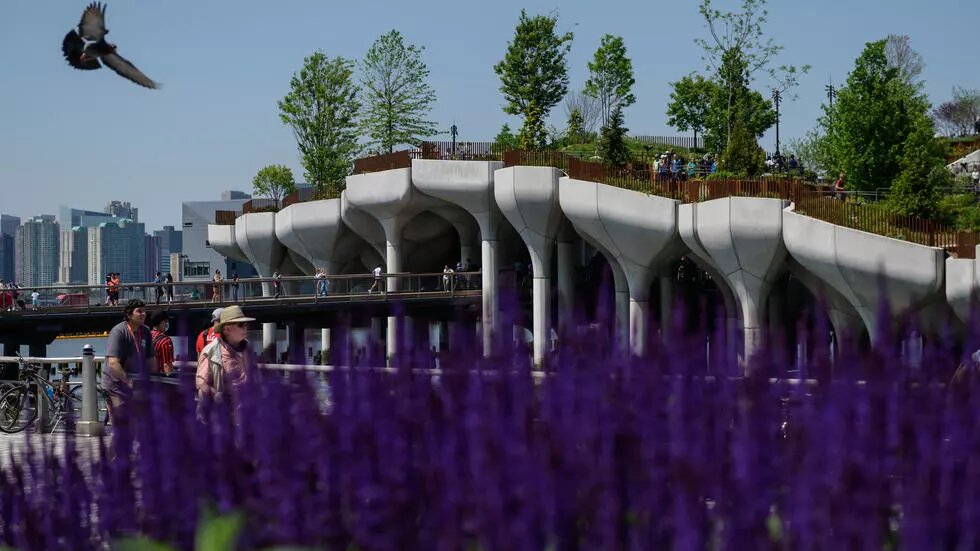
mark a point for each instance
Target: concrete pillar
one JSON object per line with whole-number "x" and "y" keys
{"x": 269, "y": 340}
{"x": 638, "y": 311}
{"x": 542, "y": 318}
{"x": 393, "y": 259}
{"x": 622, "y": 305}
{"x": 491, "y": 303}
{"x": 295, "y": 345}
{"x": 566, "y": 285}
{"x": 324, "y": 345}
{"x": 10, "y": 371}
{"x": 88, "y": 424}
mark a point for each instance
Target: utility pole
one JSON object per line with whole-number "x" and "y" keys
{"x": 777, "y": 96}
{"x": 831, "y": 93}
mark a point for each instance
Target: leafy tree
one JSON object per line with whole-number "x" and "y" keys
{"x": 612, "y": 143}
{"x": 533, "y": 134}
{"x": 811, "y": 151}
{"x": 397, "y": 96}
{"x": 958, "y": 115}
{"x": 610, "y": 77}
{"x": 736, "y": 51}
{"x": 916, "y": 191}
{"x": 875, "y": 113}
{"x": 901, "y": 56}
{"x": 742, "y": 154}
{"x": 322, "y": 108}
{"x": 534, "y": 72}
{"x": 587, "y": 106}
{"x": 274, "y": 182}
{"x": 506, "y": 138}
{"x": 690, "y": 103}
{"x": 575, "y": 131}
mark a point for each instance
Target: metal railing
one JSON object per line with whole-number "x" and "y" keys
{"x": 349, "y": 288}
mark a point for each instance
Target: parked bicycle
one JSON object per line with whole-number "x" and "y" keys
{"x": 18, "y": 403}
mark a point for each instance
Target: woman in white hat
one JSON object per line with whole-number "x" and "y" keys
{"x": 226, "y": 362}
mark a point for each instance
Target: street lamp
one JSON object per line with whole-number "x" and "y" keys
{"x": 453, "y": 131}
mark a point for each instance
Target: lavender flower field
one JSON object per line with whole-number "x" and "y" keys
{"x": 599, "y": 452}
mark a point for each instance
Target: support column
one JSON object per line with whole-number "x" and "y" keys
{"x": 542, "y": 318}
{"x": 269, "y": 341}
{"x": 324, "y": 346}
{"x": 622, "y": 305}
{"x": 393, "y": 259}
{"x": 10, "y": 371}
{"x": 491, "y": 303}
{"x": 295, "y": 345}
{"x": 566, "y": 286}
{"x": 638, "y": 311}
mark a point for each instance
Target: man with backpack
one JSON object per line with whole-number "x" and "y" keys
{"x": 208, "y": 335}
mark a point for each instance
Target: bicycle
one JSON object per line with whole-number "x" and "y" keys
{"x": 18, "y": 404}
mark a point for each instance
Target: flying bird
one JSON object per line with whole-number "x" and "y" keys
{"x": 85, "y": 46}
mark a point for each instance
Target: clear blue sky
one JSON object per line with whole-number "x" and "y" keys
{"x": 84, "y": 138}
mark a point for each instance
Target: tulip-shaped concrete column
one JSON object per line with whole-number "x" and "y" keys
{"x": 741, "y": 238}
{"x": 639, "y": 233}
{"x": 391, "y": 199}
{"x": 528, "y": 198}
{"x": 469, "y": 185}
{"x": 255, "y": 234}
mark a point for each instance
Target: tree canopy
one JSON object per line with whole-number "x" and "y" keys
{"x": 610, "y": 77}
{"x": 396, "y": 94}
{"x": 274, "y": 182}
{"x": 322, "y": 108}
{"x": 534, "y": 71}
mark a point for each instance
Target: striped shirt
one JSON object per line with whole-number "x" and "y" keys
{"x": 163, "y": 348}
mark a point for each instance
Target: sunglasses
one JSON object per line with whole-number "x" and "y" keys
{"x": 238, "y": 324}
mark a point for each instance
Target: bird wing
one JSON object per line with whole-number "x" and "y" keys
{"x": 72, "y": 47}
{"x": 92, "y": 25}
{"x": 124, "y": 68}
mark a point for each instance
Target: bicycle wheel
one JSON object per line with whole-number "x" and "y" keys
{"x": 18, "y": 408}
{"x": 102, "y": 406}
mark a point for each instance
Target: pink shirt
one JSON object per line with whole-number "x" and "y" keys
{"x": 234, "y": 364}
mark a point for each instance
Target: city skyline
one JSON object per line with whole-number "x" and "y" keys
{"x": 215, "y": 122}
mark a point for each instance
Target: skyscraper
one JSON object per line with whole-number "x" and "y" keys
{"x": 171, "y": 241}
{"x": 151, "y": 253}
{"x": 73, "y": 261}
{"x": 116, "y": 247}
{"x": 8, "y": 229}
{"x": 36, "y": 257}
{"x": 123, "y": 209}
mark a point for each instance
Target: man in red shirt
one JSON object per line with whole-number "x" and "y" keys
{"x": 163, "y": 346}
{"x": 208, "y": 335}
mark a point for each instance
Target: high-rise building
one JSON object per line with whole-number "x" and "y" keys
{"x": 73, "y": 259}
{"x": 8, "y": 229}
{"x": 123, "y": 209}
{"x": 171, "y": 241}
{"x": 36, "y": 256}
{"x": 199, "y": 259}
{"x": 116, "y": 247}
{"x": 151, "y": 253}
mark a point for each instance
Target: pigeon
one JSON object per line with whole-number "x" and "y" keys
{"x": 85, "y": 46}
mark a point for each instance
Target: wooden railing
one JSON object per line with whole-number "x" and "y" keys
{"x": 225, "y": 217}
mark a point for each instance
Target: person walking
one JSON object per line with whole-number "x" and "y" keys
{"x": 234, "y": 286}
{"x": 158, "y": 281}
{"x": 227, "y": 362}
{"x": 277, "y": 284}
{"x": 216, "y": 284}
{"x": 128, "y": 351}
{"x": 377, "y": 280}
{"x": 169, "y": 287}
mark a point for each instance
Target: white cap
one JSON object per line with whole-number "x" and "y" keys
{"x": 216, "y": 315}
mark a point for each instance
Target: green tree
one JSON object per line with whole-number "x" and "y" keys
{"x": 612, "y": 142}
{"x": 396, "y": 95}
{"x": 533, "y": 134}
{"x": 610, "y": 77}
{"x": 534, "y": 71}
{"x": 274, "y": 182}
{"x": 506, "y": 138}
{"x": 575, "y": 131}
{"x": 742, "y": 154}
{"x": 916, "y": 190}
{"x": 690, "y": 103}
{"x": 737, "y": 50}
{"x": 875, "y": 113}
{"x": 734, "y": 103}
{"x": 321, "y": 108}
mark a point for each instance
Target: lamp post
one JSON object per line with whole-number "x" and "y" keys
{"x": 777, "y": 96}
{"x": 453, "y": 131}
